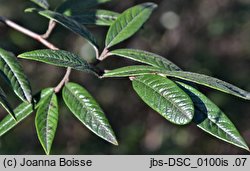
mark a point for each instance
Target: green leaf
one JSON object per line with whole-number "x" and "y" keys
{"x": 87, "y": 110}
{"x": 21, "y": 112}
{"x": 5, "y": 103}
{"x": 128, "y": 23}
{"x": 188, "y": 76}
{"x": 211, "y": 119}
{"x": 97, "y": 17}
{"x": 46, "y": 122}
{"x": 70, "y": 24}
{"x": 129, "y": 71}
{"x": 147, "y": 58}
{"x": 42, "y": 3}
{"x": 72, "y": 7}
{"x": 59, "y": 58}
{"x": 14, "y": 72}
{"x": 165, "y": 97}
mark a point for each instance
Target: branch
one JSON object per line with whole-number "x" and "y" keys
{"x": 51, "y": 27}
{"x": 41, "y": 39}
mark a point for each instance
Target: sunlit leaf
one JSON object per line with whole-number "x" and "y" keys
{"x": 211, "y": 119}
{"x": 188, "y": 76}
{"x": 96, "y": 17}
{"x": 59, "y": 58}
{"x": 87, "y": 110}
{"x": 22, "y": 112}
{"x": 11, "y": 68}
{"x": 46, "y": 121}
{"x": 128, "y": 23}
{"x": 70, "y": 24}
{"x": 42, "y": 3}
{"x": 5, "y": 103}
{"x": 165, "y": 97}
{"x": 147, "y": 58}
{"x": 72, "y": 7}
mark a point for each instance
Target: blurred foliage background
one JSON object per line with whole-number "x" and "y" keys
{"x": 210, "y": 37}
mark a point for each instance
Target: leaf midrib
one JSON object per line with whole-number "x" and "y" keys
{"x": 127, "y": 24}
{"x": 79, "y": 99}
{"x": 17, "y": 78}
{"x": 166, "y": 99}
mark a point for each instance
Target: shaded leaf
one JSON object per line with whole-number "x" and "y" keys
{"x": 14, "y": 72}
{"x": 46, "y": 121}
{"x": 165, "y": 97}
{"x": 21, "y": 112}
{"x": 128, "y": 23}
{"x": 147, "y": 58}
{"x": 72, "y": 7}
{"x": 97, "y": 17}
{"x": 188, "y": 76}
{"x": 87, "y": 110}
{"x": 59, "y": 58}
{"x": 42, "y": 3}
{"x": 5, "y": 104}
{"x": 70, "y": 24}
{"x": 211, "y": 119}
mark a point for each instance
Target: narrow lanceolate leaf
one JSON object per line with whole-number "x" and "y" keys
{"x": 147, "y": 58}
{"x": 42, "y": 3}
{"x": 70, "y": 24}
{"x": 87, "y": 110}
{"x": 59, "y": 58}
{"x": 46, "y": 122}
{"x": 211, "y": 119}
{"x": 14, "y": 73}
{"x": 165, "y": 97}
{"x": 21, "y": 112}
{"x": 210, "y": 82}
{"x": 129, "y": 71}
{"x": 72, "y": 7}
{"x": 128, "y": 23}
{"x": 188, "y": 76}
{"x": 5, "y": 103}
{"x": 96, "y": 17}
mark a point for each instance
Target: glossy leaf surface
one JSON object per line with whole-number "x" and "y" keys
{"x": 87, "y": 110}
{"x": 165, "y": 97}
{"x": 147, "y": 58}
{"x": 58, "y": 58}
{"x": 46, "y": 121}
{"x": 211, "y": 119}
{"x": 13, "y": 71}
{"x": 128, "y": 23}
{"x": 21, "y": 112}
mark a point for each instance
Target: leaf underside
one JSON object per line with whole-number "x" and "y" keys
{"x": 59, "y": 58}
{"x": 21, "y": 112}
{"x": 211, "y": 119}
{"x": 13, "y": 71}
{"x": 87, "y": 110}
{"x": 165, "y": 97}
{"x": 46, "y": 121}
{"x": 70, "y": 24}
{"x": 128, "y": 23}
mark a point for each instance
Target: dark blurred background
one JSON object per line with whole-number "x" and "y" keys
{"x": 210, "y": 37}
